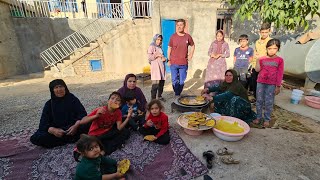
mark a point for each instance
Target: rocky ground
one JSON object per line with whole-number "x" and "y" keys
{"x": 264, "y": 153}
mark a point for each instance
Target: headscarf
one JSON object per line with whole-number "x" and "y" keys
{"x": 141, "y": 100}
{"x": 155, "y": 37}
{"x": 219, "y": 43}
{"x": 235, "y": 86}
{"x": 57, "y": 82}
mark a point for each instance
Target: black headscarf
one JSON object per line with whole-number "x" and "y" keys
{"x": 235, "y": 86}
{"x": 55, "y": 83}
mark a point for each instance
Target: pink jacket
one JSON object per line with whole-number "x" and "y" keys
{"x": 271, "y": 70}
{"x": 157, "y": 65}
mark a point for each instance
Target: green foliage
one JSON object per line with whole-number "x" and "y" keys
{"x": 290, "y": 14}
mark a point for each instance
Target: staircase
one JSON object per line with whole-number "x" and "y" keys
{"x": 60, "y": 56}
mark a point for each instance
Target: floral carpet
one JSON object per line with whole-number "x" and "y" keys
{"x": 19, "y": 159}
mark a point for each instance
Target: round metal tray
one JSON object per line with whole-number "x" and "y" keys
{"x": 183, "y": 122}
{"x": 177, "y": 101}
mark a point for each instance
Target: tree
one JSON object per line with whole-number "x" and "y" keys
{"x": 287, "y": 13}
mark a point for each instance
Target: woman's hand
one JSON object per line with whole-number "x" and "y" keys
{"x": 169, "y": 63}
{"x": 277, "y": 90}
{"x": 205, "y": 91}
{"x": 56, "y": 132}
{"x": 149, "y": 123}
{"x": 163, "y": 59}
{"x": 73, "y": 129}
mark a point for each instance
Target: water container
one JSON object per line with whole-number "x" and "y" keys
{"x": 295, "y": 99}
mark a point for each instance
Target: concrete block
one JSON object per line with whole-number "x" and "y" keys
{"x": 67, "y": 62}
{"x": 94, "y": 45}
{"x": 85, "y": 50}
{"x": 54, "y": 70}
{"x": 61, "y": 65}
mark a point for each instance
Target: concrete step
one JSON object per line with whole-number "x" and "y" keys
{"x": 100, "y": 41}
{"x": 76, "y": 54}
{"x": 67, "y": 62}
{"x": 53, "y": 70}
{"x": 61, "y": 65}
{"x": 85, "y": 50}
{"x": 94, "y": 45}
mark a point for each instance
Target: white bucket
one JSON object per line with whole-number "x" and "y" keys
{"x": 296, "y": 96}
{"x": 295, "y": 99}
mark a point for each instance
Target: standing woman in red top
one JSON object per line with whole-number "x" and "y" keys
{"x": 269, "y": 81}
{"x": 157, "y": 124}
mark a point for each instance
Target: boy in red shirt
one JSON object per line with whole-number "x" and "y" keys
{"x": 107, "y": 124}
{"x": 156, "y": 128}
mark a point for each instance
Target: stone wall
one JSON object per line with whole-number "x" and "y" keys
{"x": 37, "y": 34}
{"x": 10, "y": 52}
{"x": 126, "y": 51}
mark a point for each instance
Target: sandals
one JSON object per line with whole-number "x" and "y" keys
{"x": 224, "y": 151}
{"x": 209, "y": 155}
{"x": 229, "y": 160}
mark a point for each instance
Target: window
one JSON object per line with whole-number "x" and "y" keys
{"x": 63, "y": 6}
{"x": 224, "y": 21}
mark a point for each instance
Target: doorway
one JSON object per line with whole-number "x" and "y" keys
{"x": 168, "y": 27}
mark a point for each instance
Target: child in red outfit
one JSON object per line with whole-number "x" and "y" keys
{"x": 107, "y": 124}
{"x": 157, "y": 124}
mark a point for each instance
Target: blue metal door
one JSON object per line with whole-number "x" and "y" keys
{"x": 168, "y": 27}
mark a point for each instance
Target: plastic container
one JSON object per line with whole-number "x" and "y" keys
{"x": 229, "y": 136}
{"x": 313, "y": 101}
{"x": 295, "y": 99}
{"x": 296, "y": 96}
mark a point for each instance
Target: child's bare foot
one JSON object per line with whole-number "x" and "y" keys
{"x": 266, "y": 124}
{"x": 256, "y": 121}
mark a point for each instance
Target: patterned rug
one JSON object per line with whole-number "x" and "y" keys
{"x": 19, "y": 159}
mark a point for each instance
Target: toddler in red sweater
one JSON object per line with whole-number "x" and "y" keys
{"x": 157, "y": 124}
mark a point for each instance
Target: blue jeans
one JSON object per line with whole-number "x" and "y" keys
{"x": 265, "y": 100}
{"x": 178, "y": 76}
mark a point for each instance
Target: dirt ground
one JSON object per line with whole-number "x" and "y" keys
{"x": 263, "y": 153}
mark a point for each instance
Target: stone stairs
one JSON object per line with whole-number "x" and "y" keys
{"x": 66, "y": 68}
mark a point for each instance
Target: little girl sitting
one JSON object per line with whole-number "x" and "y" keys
{"x": 157, "y": 126}
{"x": 93, "y": 164}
